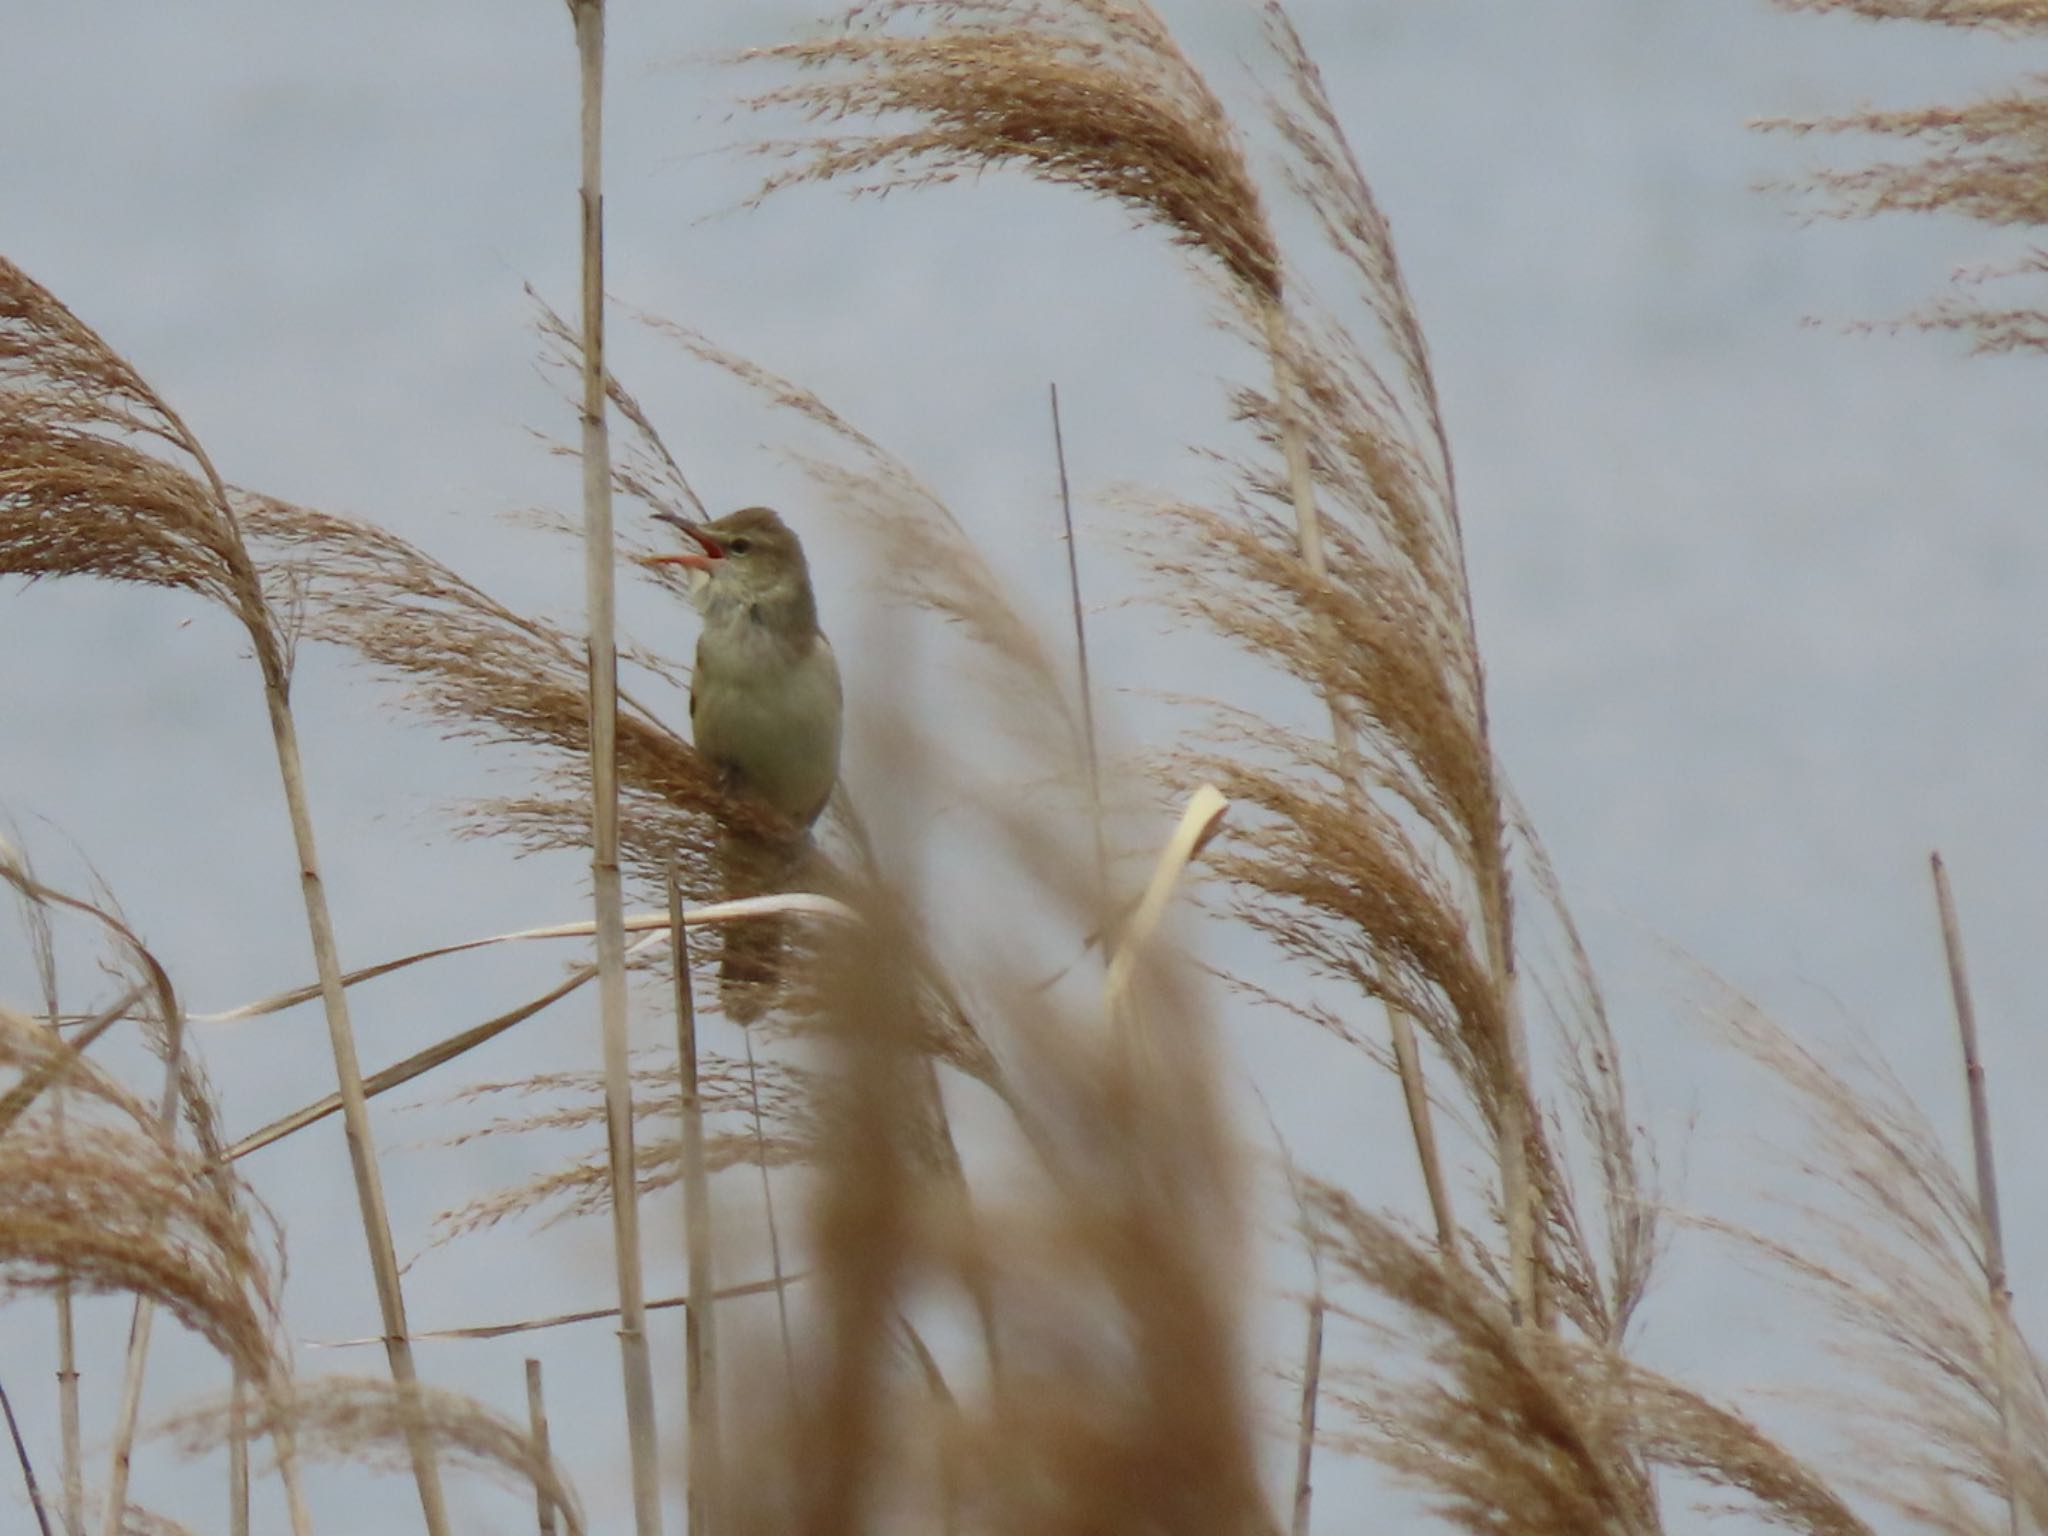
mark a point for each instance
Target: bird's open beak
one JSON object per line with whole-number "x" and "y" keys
{"x": 701, "y": 558}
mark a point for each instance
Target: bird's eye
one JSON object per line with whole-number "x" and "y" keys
{"x": 740, "y": 546}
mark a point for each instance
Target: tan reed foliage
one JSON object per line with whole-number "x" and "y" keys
{"x": 1518, "y": 1432}
{"x": 109, "y": 1203}
{"x": 573, "y": 1101}
{"x": 80, "y": 496}
{"x": 1985, "y": 160}
{"x": 1059, "y": 89}
{"x": 1094, "y": 94}
{"x": 1890, "y": 1245}
{"x": 1121, "y": 1401}
{"x": 365, "y": 1420}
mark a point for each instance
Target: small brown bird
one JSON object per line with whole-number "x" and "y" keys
{"x": 765, "y": 708}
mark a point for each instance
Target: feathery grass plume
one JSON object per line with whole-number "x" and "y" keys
{"x": 1518, "y": 1432}
{"x": 1120, "y": 1403}
{"x": 216, "y": 1262}
{"x": 78, "y": 496}
{"x": 1985, "y": 160}
{"x": 1890, "y": 1246}
{"x": 574, "y": 1102}
{"x": 482, "y": 671}
{"x": 1097, "y": 94}
{"x": 1093, "y": 94}
{"x": 367, "y": 1421}
{"x": 113, "y": 1205}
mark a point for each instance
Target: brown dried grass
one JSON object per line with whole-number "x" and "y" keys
{"x": 368, "y": 1421}
{"x": 1985, "y": 160}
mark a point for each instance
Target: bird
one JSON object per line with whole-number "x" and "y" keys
{"x": 766, "y": 711}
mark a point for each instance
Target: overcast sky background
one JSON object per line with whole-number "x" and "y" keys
{"x": 1760, "y": 601}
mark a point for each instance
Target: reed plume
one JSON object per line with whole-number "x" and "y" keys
{"x": 85, "y": 490}
{"x": 374, "y": 1423}
{"x": 1097, "y": 95}
{"x": 1891, "y": 1249}
{"x": 1985, "y": 160}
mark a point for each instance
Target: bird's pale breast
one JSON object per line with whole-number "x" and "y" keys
{"x": 769, "y": 712}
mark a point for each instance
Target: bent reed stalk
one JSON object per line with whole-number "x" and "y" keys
{"x": 76, "y": 498}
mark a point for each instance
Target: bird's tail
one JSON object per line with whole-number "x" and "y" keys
{"x": 751, "y": 963}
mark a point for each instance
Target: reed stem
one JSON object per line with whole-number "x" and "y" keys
{"x": 537, "y": 1424}
{"x": 774, "y": 1230}
{"x": 238, "y": 1458}
{"x": 1991, "y": 1228}
{"x": 28, "y": 1470}
{"x": 1087, "y": 685}
{"x": 607, "y": 896}
{"x": 700, "y": 1332}
{"x": 1305, "y": 1435}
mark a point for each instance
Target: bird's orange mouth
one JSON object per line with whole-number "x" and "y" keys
{"x": 708, "y": 550}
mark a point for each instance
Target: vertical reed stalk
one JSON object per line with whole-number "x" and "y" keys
{"x": 1308, "y": 533}
{"x": 238, "y": 1459}
{"x": 1992, "y": 1229}
{"x": 604, "y": 787}
{"x": 362, "y": 1148}
{"x": 1305, "y": 1436}
{"x": 768, "y": 1205}
{"x": 71, "y": 1473}
{"x": 1059, "y": 449}
{"x": 28, "y": 1470}
{"x": 143, "y": 1317}
{"x": 700, "y": 1332}
{"x": 355, "y": 1111}
{"x": 537, "y": 1424}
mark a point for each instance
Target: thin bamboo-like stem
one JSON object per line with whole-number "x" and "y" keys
{"x": 72, "y": 1471}
{"x": 1305, "y": 1432}
{"x": 605, "y": 881}
{"x": 1992, "y": 1228}
{"x": 238, "y": 1459}
{"x": 355, "y": 1111}
{"x": 71, "y": 1479}
{"x": 537, "y": 1422}
{"x": 28, "y": 1470}
{"x": 1087, "y": 686}
{"x": 362, "y": 1149}
{"x": 1308, "y": 532}
{"x": 700, "y": 1331}
{"x": 768, "y": 1205}
{"x": 143, "y": 1317}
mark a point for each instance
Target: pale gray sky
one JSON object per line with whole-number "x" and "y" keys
{"x": 1760, "y": 601}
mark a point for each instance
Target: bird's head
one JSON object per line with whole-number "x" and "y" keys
{"x": 748, "y": 556}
